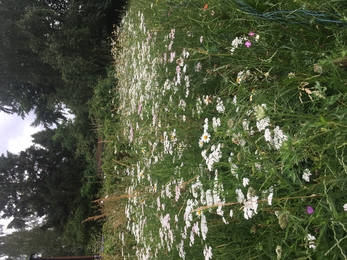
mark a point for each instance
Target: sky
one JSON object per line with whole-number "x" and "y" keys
{"x": 15, "y": 136}
{"x": 15, "y": 133}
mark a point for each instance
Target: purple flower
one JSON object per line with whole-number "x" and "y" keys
{"x": 309, "y": 210}
{"x": 248, "y": 44}
{"x": 251, "y": 33}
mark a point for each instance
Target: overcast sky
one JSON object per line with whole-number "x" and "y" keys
{"x": 15, "y": 136}
{"x": 15, "y": 133}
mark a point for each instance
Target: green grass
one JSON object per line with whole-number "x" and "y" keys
{"x": 227, "y": 151}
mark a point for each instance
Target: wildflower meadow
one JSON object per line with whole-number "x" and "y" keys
{"x": 226, "y": 131}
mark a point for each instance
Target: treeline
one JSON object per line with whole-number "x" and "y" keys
{"x": 52, "y": 55}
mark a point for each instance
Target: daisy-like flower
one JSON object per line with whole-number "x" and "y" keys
{"x": 207, "y": 99}
{"x": 205, "y": 137}
{"x": 291, "y": 75}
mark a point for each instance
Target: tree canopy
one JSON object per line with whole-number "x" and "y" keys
{"x": 52, "y": 54}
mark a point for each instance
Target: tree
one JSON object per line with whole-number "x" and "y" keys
{"x": 47, "y": 242}
{"x": 42, "y": 180}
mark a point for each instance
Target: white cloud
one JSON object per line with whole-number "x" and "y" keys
{"x": 15, "y": 133}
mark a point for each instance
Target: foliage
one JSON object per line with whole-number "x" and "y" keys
{"x": 52, "y": 55}
{"x": 228, "y": 138}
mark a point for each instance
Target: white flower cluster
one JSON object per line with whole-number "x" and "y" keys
{"x": 306, "y": 175}
{"x": 208, "y": 252}
{"x": 311, "y": 241}
{"x": 274, "y": 137}
{"x": 213, "y": 157}
{"x": 242, "y": 76}
{"x": 250, "y": 205}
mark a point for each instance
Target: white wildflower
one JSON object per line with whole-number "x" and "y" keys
{"x": 205, "y": 137}
{"x": 291, "y": 75}
{"x": 207, "y": 99}
{"x": 263, "y": 123}
{"x": 259, "y": 111}
{"x": 279, "y": 137}
{"x": 203, "y": 226}
{"x": 242, "y": 76}
{"x": 198, "y": 67}
{"x": 165, "y": 221}
{"x": 245, "y": 182}
{"x": 208, "y": 252}
{"x": 270, "y": 196}
{"x": 231, "y": 213}
{"x": 250, "y": 207}
{"x": 206, "y": 124}
{"x": 279, "y": 252}
{"x": 311, "y": 241}
{"x": 215, "y": 123}
{"x": 267, "y": 136}
{"x": 306, "y": 175}
{"x": 220, "y": 107}
{"x": 182, "y": 104}
{"x": 213, "y": 157}
{"x": 180, "y": 248}
{"x": 240, "y": 196}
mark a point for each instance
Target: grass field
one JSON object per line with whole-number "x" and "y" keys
{"x": 226, "y": 131}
